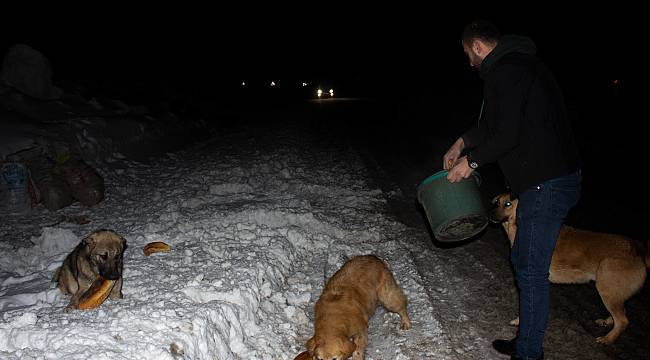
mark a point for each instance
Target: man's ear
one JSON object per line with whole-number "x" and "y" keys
{"x": 478, "y": 47}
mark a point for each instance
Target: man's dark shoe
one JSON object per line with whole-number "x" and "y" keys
{"x": 506, "y": 347}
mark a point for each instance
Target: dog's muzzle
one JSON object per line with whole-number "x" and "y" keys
{"x": 110, "y": 271}
{"x": 493, "y": 218}
{"x": 492, "y": 212}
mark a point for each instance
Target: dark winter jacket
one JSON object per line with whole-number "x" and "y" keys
{"x": 524, "y": 124}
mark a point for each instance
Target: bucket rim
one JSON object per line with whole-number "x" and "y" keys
{"x": 443, "y": 173}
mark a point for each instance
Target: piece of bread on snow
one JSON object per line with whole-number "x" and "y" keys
{"x": 156, "y": 246}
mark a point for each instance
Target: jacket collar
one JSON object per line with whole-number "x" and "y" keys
{"x": 507, "y": 44}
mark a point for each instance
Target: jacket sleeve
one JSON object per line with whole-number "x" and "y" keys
{"x": 507, "y": 96}
{"x": 474, "y": 136}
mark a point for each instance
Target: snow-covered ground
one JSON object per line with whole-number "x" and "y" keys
{"x": 258, "y": 220}
{"x": 256, "y": 224}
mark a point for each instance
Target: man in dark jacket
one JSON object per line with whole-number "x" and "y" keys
{"x": 524, "y": 127}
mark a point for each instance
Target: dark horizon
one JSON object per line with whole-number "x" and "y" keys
{"x": 413, "y": 49}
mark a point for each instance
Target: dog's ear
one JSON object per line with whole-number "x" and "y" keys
{"x": 90, "y": 241}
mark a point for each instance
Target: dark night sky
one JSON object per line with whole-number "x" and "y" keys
{"x": 412, "y": 44}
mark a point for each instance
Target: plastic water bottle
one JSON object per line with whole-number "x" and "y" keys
{"x": 14, "y": 189}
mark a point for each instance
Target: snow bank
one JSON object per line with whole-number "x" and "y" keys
{"x": 256, "y": 228}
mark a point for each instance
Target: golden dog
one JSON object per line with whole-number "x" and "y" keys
{"x": 616, "y": 263}
{"x": 348, "y": 301}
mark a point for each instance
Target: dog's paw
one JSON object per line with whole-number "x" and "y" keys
{"x": 514, "y": 322}
{"x": 605, "y": 322}
{"x": 605, "y": 340}
{"x": 405, "y": 325}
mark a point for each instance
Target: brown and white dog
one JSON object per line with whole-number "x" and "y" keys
{"x": 98, "y": 255}
{"x": 346, "y": 304}
{"x": 616, "y": 263}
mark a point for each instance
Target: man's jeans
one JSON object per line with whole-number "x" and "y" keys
{"x": 540, "y": 213}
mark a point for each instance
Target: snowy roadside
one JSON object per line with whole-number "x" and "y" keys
{"x": 256, "y": 224}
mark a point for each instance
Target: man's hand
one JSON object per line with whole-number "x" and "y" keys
{"x": 460, "y": 170}
{"x": 451, "y": 157}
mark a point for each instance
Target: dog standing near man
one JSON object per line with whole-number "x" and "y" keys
{"x": 617, "y": 264}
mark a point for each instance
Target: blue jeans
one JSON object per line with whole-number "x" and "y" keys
{"x": 540, "y": 214}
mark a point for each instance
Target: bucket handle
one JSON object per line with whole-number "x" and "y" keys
{"x": 443, "y": 173}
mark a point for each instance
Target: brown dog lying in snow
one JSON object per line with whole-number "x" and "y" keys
{"x": 347, "y": 303}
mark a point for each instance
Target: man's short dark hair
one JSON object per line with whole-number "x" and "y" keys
{"x": 481, "y": 30}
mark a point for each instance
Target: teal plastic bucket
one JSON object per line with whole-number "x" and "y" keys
{"x": 455, "y": 210}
